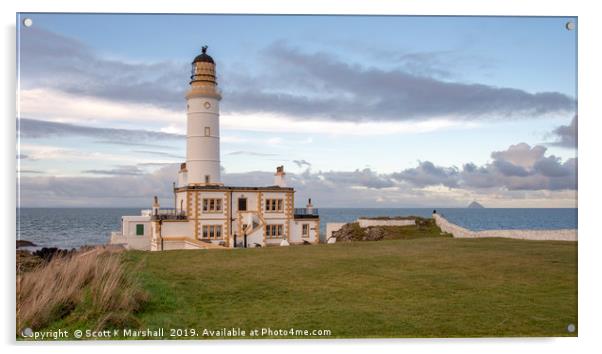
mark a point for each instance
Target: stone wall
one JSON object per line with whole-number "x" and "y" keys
{"x": 385, "y": 222}
{"x": 332, "y": 227}
{"x": 460, "y": 232}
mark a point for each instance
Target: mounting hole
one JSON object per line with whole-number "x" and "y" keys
{"x": 570, "y": 328}
{"x": 27, "y": 22}
{"x": 27, "y": 332}
{"x": 570, "y": 26}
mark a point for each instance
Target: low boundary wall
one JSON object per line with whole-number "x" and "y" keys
{"x": 385, "y": 222}
{"x": 539, "y": 235}
{"x": 332, "y": 227}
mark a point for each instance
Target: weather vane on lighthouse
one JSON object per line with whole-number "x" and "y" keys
{"x": 204, "y": 49}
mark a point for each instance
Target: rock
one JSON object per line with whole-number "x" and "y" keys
{"x": 353, "y": 232}
{"x": 374, "y": 234}
{"x": 25, "y": 243}
{"x": 27, "y": 262}
{"x": 48, "y": 253}
{"x": 350, "y": 232}
{"x": 475, "y": 205}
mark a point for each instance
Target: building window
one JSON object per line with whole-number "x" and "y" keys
{"x": 212, "y": 205}
{"x": 206, "y": 178}
{"x": 139, "y": 229}
{"x": 273, "y": 231}
{"x": 212, "y": 232}
{"x": 273, "y": 205}
{"x": 242, "y": 204}
{"x": 305, "y": 231}
{"x": 207, "y": 131}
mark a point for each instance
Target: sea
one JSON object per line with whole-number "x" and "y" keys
{"x": 73, "y": 228}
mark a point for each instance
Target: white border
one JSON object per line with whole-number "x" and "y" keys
{"x": 589, "y": 170}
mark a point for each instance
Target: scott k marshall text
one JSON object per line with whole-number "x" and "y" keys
{"x": 159, "y": 333}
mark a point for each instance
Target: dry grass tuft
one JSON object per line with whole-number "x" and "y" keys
{"x": 96, "y": 279}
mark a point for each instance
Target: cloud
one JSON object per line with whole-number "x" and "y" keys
{"x": 566, "y": 135}
{"x": 55, "y": 105}
{"x": 301, "y": 163}
{"x": 269, "y": 122}
{"x": 522, "y": 167}
{"x": 507, "y": 180}
{"x": 507, "y": 168}
{"x": 109, "y": 191}
{"x": 520, "y": 154}
{"x": 427, "y": 174}
{"x": 64, "y": 79}
{"x": 119, "y": 171}
{"x": 160, "y": 153}
{"x": 427, "y": 63}
{"x": 33, "y": 128}
{"x": 54, "y": 61}
{"x": 250, "y": 153}
{"x": 321, "y": 86}
{"x": 155, "y": 164}
{"x": 131, "y": 143}
{"x": 31, "y": 171}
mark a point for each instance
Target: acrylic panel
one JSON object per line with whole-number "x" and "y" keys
{"x": 198, "y": 177}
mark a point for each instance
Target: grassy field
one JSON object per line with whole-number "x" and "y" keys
{"x": 430, "y": 287}
{"x": 424, "y": 287}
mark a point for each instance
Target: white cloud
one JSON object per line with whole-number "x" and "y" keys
{"x": 57, "y": 106}
{"x": 265, "y": 122}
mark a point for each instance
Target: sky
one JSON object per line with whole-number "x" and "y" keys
{"x": 363, "y": 111}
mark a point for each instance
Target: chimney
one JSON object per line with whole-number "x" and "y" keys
{"x": 183, "y": 175}
{"x": 309, "y": 207}
{"x": 156, "y": 205}
{"x": 279, "y": 177}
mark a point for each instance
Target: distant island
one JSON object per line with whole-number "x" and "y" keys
{"x": 475, "y": 205}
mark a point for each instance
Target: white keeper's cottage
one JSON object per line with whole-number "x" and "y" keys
{"x": 206, "y": 213}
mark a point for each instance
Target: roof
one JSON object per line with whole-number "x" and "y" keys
{"x": 203, "y": 57}
{"x": 216, "y": 187}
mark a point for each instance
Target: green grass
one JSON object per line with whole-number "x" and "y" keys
{"x": 427, "y": 287}
{"x": 423, "y": 228}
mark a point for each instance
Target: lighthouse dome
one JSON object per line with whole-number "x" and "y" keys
{"x": 203, "y": 57}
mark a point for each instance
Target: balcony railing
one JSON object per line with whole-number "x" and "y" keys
{"x": 307, "y": 212}
{"x": 168, "y": 214}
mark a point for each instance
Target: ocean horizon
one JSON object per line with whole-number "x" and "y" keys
{"x": 67, "y": 227}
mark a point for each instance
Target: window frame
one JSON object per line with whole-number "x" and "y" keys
{"x": 241, "y": 199}
{"x": 274, "y": 205}
{"x": 274, "y": 231}
{"x": 305, "y": 230}
{"x": 212, "y": 205}
{"x": 212, "y": 232}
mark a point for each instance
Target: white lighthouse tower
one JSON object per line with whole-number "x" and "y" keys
{"x": 206, "y": 213}
{"x": 202, "y": 138}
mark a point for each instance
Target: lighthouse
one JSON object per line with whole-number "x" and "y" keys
{"x": 207, "y": 213}
{"x": 202, "y": 138}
